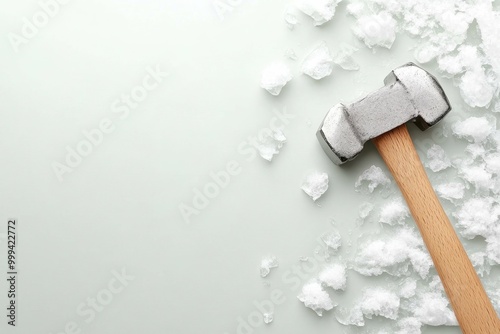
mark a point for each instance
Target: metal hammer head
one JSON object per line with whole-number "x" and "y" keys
{"x": 410, "y": 94}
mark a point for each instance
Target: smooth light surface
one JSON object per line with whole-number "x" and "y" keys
{"x": 119, "y": 208}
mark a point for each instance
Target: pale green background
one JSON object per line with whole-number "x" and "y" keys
{"x": 119, "y": 208}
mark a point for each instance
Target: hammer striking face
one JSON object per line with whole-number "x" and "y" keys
{"x": 410, "y": 94}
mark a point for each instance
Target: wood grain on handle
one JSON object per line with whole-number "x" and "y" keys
{"x": 472, "y": 307}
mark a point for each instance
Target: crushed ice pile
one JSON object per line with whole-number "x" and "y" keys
{"x": 413, "y": 295}
{"x": 443, "y": 28}
{"x": 461, "y": 38}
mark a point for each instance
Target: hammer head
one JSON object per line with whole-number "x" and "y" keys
{"x": 410, "y": 94}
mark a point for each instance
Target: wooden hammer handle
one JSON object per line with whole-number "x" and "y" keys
{"x": 472, "y": 307}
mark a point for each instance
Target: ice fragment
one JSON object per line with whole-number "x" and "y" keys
{"x": 451, "y": 191}
{"x": 315, "y": 184}
{"x": 380, "y": 302}
{"x": 348, "y": 317}
{"x": 376, "y": 29}
{"x": 275, "y": 77}
{"x": 372, "y": 178}
{"x": 364, "y": 209}
{"x": 268, "y": 262}
{"x": 268, "y": 318}
{"x": 321, "y": 11}
{"x": 315, "y": 297}
{"x": 270, "y": 144}
{"x": 475, "y": 129}
{"x": 438, "y": 160}
{"x": 394, "y": 212}
{"x": 332, "y": 239}
{"x": 433, "y": 310}
{"x": 319, "y": 63}
{"x": 290, "y": 18}
{"x": 334, "y": 276}
{"x": 393, "y": 255}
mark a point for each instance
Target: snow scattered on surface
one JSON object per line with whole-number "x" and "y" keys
{"x": 270, "y": 144}
{"x": 480, "y": 262}
{"x": 321, "y": 11}
{"x": 394, "y": 212}
{"x": 376, "y": 29}
{"x": 380, "y": 302}
{"x": 268, "y": 262}
{"x": 290, "y": 17}
{"x": 334, "y": 276}
{"x": 315, "y": 184}
{"x": 332, "y": 239}
{"x": 476, "y": 150}
{"x": 477, "y": 176}
{"x": 275, "y": 77}
{"x": 451, "y": 191}
{"x": 493, "y": 163}
{"x": 393, "y": 254}
{"x": 372, "y": 178}
{"x": 496, "y": 108}
{"x": 349, "y": 317}
{"x": 409, "y": 325}
{"x": 319, "y": 63}
{"x": 315, "y": 297}
{"x": 476, "y": 89}
{"x": 432, "y": 309}
{"x": 438, "y": 160}
{"x": 493, "y": 245}
{"x": 475, "y": 129}
{"x": 470, "y": 182}
{"x": 345, "y": 61}
{"x": 408, "y": 288}
{"x": 478, "y": 217}
{"x": 365, "y": 209}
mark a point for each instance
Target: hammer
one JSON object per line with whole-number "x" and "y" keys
{"x": 412, "y": 94}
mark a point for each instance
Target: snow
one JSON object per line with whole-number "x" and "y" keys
{"x": 437, "y": 159}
